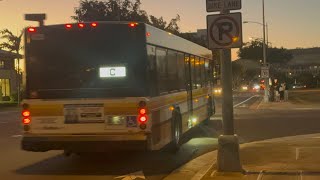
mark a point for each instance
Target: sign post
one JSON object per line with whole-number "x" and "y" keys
{"x": 224, "y": 33}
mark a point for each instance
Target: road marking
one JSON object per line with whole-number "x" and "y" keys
{"x": 306, "y": 108}
{"x": 297, "y": 153}
{"x": 6, "y": 112}
{"x": 132, "y": 176}
{"x": 260, "y": 175}
{"x": 244, "y": 101}
{"x": 301, "y": 173}
{"x": 16, "y": 136}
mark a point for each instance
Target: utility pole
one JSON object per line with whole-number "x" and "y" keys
{"x": 266, "y": 80}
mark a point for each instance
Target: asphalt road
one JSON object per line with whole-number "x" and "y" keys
{"x": 251, "y": 125}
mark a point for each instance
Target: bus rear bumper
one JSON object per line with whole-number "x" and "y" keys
{"x": 81, "y": 143}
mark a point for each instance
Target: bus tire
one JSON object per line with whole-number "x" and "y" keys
{"x": 176, "y": 129}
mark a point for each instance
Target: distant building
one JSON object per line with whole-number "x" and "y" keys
{"x": 199, "y": 37}
{"x": 8, "y": 74}
{"x": 304, "y": 61}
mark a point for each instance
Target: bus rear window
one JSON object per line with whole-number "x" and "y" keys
{"x": 108, "y": 61}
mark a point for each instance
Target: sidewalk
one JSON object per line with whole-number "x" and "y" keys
{"x": 284, "y": 105}
{"x": 295, "y": 157}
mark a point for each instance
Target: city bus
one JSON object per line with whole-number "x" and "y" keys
{"x": 98, "y": 86}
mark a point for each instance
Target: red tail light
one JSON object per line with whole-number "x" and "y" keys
{"x": 26, "y": 117}
{"x": 26, "y": 120}
{"x": 31, "y": 29}
{"x": 142, "y": 118}
{"x": 142, "y": 111}
{"x": 25, "y": 113}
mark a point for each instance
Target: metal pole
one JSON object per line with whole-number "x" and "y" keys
{"x": 228, "y": 159}
{"x": 227, "y": 98}
{"x": 267, "y": 34}
{"x": 266, "y": 81}
{"x": 18, "y": 100}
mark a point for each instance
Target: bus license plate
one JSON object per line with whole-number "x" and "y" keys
{"x": 84, "y": 113}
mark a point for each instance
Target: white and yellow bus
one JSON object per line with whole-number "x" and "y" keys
{"x": 112, "y": 85}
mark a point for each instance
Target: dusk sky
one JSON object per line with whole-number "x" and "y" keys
{"x": 292, "y": 23}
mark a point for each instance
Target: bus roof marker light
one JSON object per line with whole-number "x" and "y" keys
{"x": 81, "y": 25}
{"x": 133, "y": 24}
{"x": 94, "y": 24}
{"x": 148, "y": 34}
{"x": 31, "y": 30}
{"x": 68, "y": 26}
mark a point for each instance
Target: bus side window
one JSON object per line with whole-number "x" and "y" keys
{"x": 203, "y": 81}
{"x": 161, "y": 59}
{"x": 193, "y": 72}
{"x": 152, "y": 71}
{"x": 188, "y": 72}
{"x": 172, "y": 71}
{"x": 207, "y": 71}
{"x": 197, "y": 73}
{"x": 181, "y": 71}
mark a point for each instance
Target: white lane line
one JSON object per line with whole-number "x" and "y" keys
{"x": 244, "y": 101}
{"x": 16, "y": 136}
{"x": 260, "y": 175}
{"x": 297, "y": 153}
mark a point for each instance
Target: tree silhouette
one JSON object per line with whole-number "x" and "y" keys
{"x": 122, "y": 10}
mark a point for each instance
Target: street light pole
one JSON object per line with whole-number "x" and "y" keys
{"x": 266, "y": 81}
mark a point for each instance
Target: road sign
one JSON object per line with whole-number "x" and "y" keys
{"x": 35, "y": 17}
{"x": 264, "y": 72}
{"x": 224, "y": 31}
{"x": 219, "y": 5}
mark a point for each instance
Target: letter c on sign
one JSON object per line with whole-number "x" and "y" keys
{"x": 112, "y": 73}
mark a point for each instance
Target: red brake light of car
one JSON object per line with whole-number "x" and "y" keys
{"x": 31, "y": 29}
{"x": 94, "y": 24}
{"x": 68, "y": 26}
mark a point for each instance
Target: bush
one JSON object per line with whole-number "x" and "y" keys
{"x": 6, "y": 98}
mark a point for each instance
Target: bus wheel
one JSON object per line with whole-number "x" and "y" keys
{"x": 176, "y": 128}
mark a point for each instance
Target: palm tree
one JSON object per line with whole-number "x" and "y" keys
{"x": 13, "y": 44}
